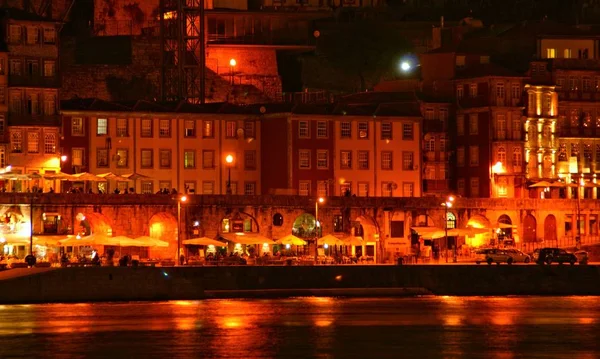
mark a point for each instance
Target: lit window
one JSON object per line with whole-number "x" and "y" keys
{"x": 122, "y": 127}
{"x": 517, "y": 157}
{"x": 77, "y": 156}
{"x": 122, "y": 158}
{"x": 322, "y": 129}
{"x": 567, "y": 54}
{"x": 501, "y": 155}
{"x": 165, "y": 158}
{"x": 147, "y": 158}
{"x": 102, "y": 126}
{"x": 304, "y": 159}
{"x": 33, "y": 142}
{"x": 322, "y": 159}
{"x": 363, "y": 130}
{"x": 550, "y": 53}
{"x": 363, "y": 160}
{"x": 101, "y": 157}
{"x": 189, "y": 128}
{"x": 208, "y": 129}
{"x": 386, "y": 160}
{"x": 346, "y": 160}
{"x": 146, "y": 130}
{"x": 16, "y": 142}
{"x": 363, "y": 189}
{"x": 50, "y": 143}
{"x": 189, "y": 159}
{"x": 386, "y": 130}
{"x": 345, "y": 129}
{"x": 77, "y": 126}
{"x": 407, "y": 131}
{"x": 164, "y": 128}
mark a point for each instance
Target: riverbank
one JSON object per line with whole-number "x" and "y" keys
{"x": 174, "y": 283}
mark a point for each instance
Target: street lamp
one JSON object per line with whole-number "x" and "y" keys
{"x": 229, "y": 160}
{"x": 179, "y": 201}
{"x": 317, "y": 225}
{"x": 578, "y": 237}
{"x": 232, "y": 64}
{"x": 448, "y": 205}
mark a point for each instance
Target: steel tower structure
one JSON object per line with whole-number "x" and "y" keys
{"x": 182, "y": 50}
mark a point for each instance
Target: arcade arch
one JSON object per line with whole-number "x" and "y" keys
{"x": 529, "y": 229}
{"x": 550, "y": 233}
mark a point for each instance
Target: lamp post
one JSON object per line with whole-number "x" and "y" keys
{"x": 179, "y": 201}
{"x": 229, "y": 160}
{"x": 317, "y": 225}
{"x": 448, "y": 205}
{"x": 578, "y": 237}
{"x": 232, "y": 64}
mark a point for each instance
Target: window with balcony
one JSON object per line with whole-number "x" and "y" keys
{"x": 122, "y": 127}
{"x": 164, "y": 128}
{"x": 473, "y": 124}
{"x": 502, "y": 187}
{"x": 386, "y": 130}
{"x": 32, "y": 67}
{"x": 146, "y": 127}
{"x": 147, "y": 156}
{"x": 473, "y": 90}
{"x": 208, "y": 129}
{"x": 49, "y": 36}
{"x": 346, "y": 160}
{"x": 322, "y": 129}
{"x": 501, "y": 126}
{"x": 50, "y": 104}
{"x": 573, "y": 83}
{"x": 15, "y": 67}
{"x": 77, "y": 126}
{"x": 304, "y": 159}
{"x": 231, "y": 129}
{"x": 249, "y": 129}
{"x": 517, "y": 158}
{"x": 460, "y": 125}
{"x": 474, "y": 156}
{"x": 15, "y": 34}
{"x": 16, "y": 142}
{"x": 77, "y": 157}
{"x": 386, "y": 160}
{"x": 33, "y": 104}
{"x": 363, "y": 130}
{"x": 50, "y": 143}
{"x": 363, "y": 160}
{"x": 500, "y": 92}
{"x": 501, "y": 155}
{"x": 303, "y": 129}
{"x": 189, "y": 159}
{"x": 101, "y": 157}
{"x": 408, "y": 161}
{"x": 460, "y": 92}
{"x": 164, "y": 157}
{"x": 101, "y": 126}
{"x": 122, "y": 158}
{"x": 346, "y": 129}
{"x": 516, "y": 129}
{"x": 322, "y": 159}
{"x": 304, "y": 188}
{"x": 407, "y": 131}
{"x": 49, "y": 68}
{"x": 250, "y": 160}
{"x": 587, "y": 84}
{"x": 189, "y": 128}
{"x": 33, "y": 142}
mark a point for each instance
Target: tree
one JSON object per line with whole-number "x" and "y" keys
{"x": 354, "y": 56}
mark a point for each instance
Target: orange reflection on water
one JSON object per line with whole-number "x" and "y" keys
{"x": 586, "y": 321}
{"x": 453, "y": 320}
{"x": 323, "y": 322}
{"x": 503, "y": 318}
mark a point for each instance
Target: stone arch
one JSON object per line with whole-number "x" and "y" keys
{"x": 451, "y": 221}
{"x": 550, "y": 228}
{"x": 163, "y": 225}
{"x": 238, "y": 221}
{"x": 369, "y": 230}
{"x": 93, "y": 222}
{"x": 505, "y": 225}
{"x": 529, "y": 228}
{"x": 478, "y": 221}
{"x": 304, "y": 226}
{"x": 423, "y": 220}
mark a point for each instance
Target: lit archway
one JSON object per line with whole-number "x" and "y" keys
{"x": 478, "y": 221}
{"x": 93, "y": 222}
{"x": 550, "y": 228}
{"x": 163, "y": 226}
{"x": 505, "y": 226}
{"x": 529, "y": 229}
{"x": 367, "y": 228}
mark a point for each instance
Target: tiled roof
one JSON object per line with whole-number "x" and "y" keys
{"x": 20, "y": 14}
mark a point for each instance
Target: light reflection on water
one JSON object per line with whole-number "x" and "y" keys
{"x": 428, "y": 327}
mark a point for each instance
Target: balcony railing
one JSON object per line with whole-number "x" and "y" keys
{"x": 33, "y": 120}
{"x": 579, "y": 132}
{"x": 34, "y": 81}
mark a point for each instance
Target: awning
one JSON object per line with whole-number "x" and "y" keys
{"x": 291, "y": 240}
{"x": 246, "y": 238}
{"x": 353, "y": 241}
{"x": 330, "y": 240}
{"x": 422, "y": 230}
{"x": 204, "y": 241}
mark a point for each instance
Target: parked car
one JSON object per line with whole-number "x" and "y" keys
{"x": 550, "y": 255}
{"x": 493, "y": 255}
{"x": 582, "y": 257}
{"x": 518, "y": 256}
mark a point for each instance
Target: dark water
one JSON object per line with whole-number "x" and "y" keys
{"x": 430, "y": 327}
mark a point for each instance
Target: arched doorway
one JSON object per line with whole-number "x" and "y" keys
{"x": 504, "y": 227}
{"x": 163, "y": 226}
{"x": 550, "y": 228}
{"x": 366, "y": 227}
{"x": 529, "y": 229}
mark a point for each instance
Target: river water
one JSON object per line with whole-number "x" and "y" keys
{"x": 425, "y": 327}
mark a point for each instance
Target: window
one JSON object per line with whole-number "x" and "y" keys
{"x": 567, "y": 54}
{"x": 516, "y": 129}
{"x": 345, "y": 129}
{"x": 408, "y": 189}
{"x": 474, "y": 155}
{"x": 451, "y": 221}
{"x": 147, "y": 156}
{"x": 249, "y": 188}
{"x": 322, "y": 188}
{"x": 473, "y": 124}
{"x": 386, "y": 160}
{"x": 460, "y": 92}
{"x": 146, "y": 127}
{"x": 338, "y": 223}
{"x": 189, "y": 159}
{"x": 346, "y": 188}
{"x": 500, "y": 90}
{"x": 573, "y": 83}
{"x": 473, "y": 90}
{"x": 147, "y": 187}
{"x": 407, "y": 131}
{"x": 386, "y": 130}
{"x": 164, "y": 128}
{"x": 2, "y": 95}
{"x": 460, "y": 156}
{"x": 460, "y": 186}
{"x": 33, "y": 142}
{"x": 517, "y": 157}
{"x": 189, "y": 128}
{"x": 550, "y": 53}
{"x": 50, "y": 104}
{"x": 101, "y": 157}
{"x": 16, "y": 142}
{"x": 33, "y": 104}
{"x": 322, "y": 159}
{"x": 208, "y": 129}
{"x": 208, "y": 187}
{"x": 2, "y": 126}
{"x": 164, "y": 157}
{"x": 408, "y": 161}
{"x": 363, "y": 160}
{"x": 122, "y": 127}
{"x": 397, "y": 229}
{"x": 230, "y": 129}
{"x": 101, "y": 126}
{"x": 16, "y": 67}
{"x": 429, "y": 114}
{"x": 49, "y": 36}
{"x": 49, "y": 68}
{"x": 387, "y": 189}
{"x": 322, "y": 129}
{"x": 516, "y": 91}
{"x": 430, "y": 145}
{"x": 363, "y": 189}
{"x": 50, "y": 143}
{"x": 460, "y": 61}
{"x": 15, "y": 34}
{"x": 2, "y": 66}
{"x": 474, "y": 187}
{"x": 208, "y": 159}
{"x": 501, "y": 129}
{"x": 484, "y": 59}
{"x": 303, "y": 129}
{"x": 32, "y": 68}
{"x": 443, "y": 116}
{"x": 77, "y": 156}
{"x": 250, "y": 160}
{"x": 77, "y": 126}
{"x": 122, "y": 158}
{"x": 304, "y": 188}
{"x": 587, "y": 84}
{"x": 501, "y": 155}
{"x": 304, "y": 159}
{"x": 249, "y": 131}
{"x": 460, "y": 125}
{"x": 443, "y": 145}
{"x": 234, "y": 187}
{"x": 2, "y": 157}
{"x": 190, "y": 187}
{"x": 346, "y": 160}
{"x": 363, "y": 130}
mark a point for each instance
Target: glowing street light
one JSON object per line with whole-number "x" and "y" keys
{"x": 317, "y": 225}
{"x": 232, "y": 65}
{"x": 448, "y": 205}
{"x": 181, "y": 199}
{"x": 63, "y": 158}
{"x": 405, "y": 66}
{"x": 229, "y": 160}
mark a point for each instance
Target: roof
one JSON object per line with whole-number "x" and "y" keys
{"x": 486, "y": 70}
{"x": 22, "y": 15}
